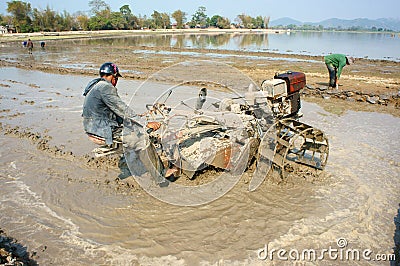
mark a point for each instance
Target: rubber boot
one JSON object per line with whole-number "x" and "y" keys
{"x": 153, "y": 165}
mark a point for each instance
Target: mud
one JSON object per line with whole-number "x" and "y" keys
{"x": 41, "y": 142}
{"x": 366, "y": 78}
{"x": 69, "y": 208}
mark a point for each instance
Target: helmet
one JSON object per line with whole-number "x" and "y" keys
{"x": 109, "y": 69}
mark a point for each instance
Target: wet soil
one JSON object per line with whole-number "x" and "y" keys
{"x": 374, "y": 82}
{"x": 75, "y": 211}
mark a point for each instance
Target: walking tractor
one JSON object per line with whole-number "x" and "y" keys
{"x": 229, "y": 124}
{"x": 230, "y": 133}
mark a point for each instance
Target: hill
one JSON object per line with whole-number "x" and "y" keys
{"x": 285, "y": 22}
{"x": 363, "y": 23}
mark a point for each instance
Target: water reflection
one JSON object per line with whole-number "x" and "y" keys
{"x": 249, "y": 40}
{"x": 361, "y": 45}
{"x": 367, "y": 45}
{"x": 202, "y": 41}
{"x": 178, "y": 41}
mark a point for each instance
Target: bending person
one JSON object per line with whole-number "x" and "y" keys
{"x": 335, "y": 64}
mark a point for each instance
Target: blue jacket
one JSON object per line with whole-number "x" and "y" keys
{"x": 103, "y": 109}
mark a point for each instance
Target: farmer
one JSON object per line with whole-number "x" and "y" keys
{"x": 29, "y": 45}
{"x": 335, "y": 64}
{"x": 103, "y": 113}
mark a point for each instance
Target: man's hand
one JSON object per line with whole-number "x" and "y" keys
{"x": 154, "y": 125}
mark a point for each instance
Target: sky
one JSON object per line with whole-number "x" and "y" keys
{"x": 302, "y": 10}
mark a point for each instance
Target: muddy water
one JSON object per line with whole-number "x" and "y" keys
{"x": 74, "y": 214}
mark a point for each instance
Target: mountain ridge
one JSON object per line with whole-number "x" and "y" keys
{"x": 379, "y": 24}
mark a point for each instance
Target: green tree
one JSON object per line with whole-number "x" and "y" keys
{"x": 96, "y": 6}
{"x": 166, "y": 21}
{"x": 49, "y": 19}
{"x": 157, "y": 20}
{"x": 81, "y": 21}
{"x": 144, "y": 22}
{"x": 103, "y": 18}
{"x": 101, "y": 21}
{"x": 125, "y": 11}
{"x": 199, "y": 19}
{"x": 245, "y": 21}
{"x": 224, "y": 23}
{"x": 21, "y": 15}
{"x": 258, "y": 22}
{"x": 214, "y": 20}
{"x": 219, "y": 22}
{"x": 37, "y": 20}
{"x": 6, "y": 20}
{"x": 160, "y": 20}
{"x": 131, "y": 21}
{"x": 117, "y": 21}
{"x": 249, "y": 22}
{"x": 66, "y": 21}
{"x": 180, "y": 18}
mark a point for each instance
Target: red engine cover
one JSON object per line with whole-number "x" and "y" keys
{"x": 295, "y": 81}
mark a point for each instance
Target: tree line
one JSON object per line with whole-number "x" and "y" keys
{"x": 23, "y": 18}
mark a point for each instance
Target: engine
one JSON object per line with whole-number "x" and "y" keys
{"x": 283, "y": 93}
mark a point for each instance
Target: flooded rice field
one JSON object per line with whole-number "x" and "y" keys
{"x": 71, "y": 212}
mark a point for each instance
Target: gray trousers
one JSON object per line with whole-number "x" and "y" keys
{"x": 141, "y": 156}
{"x": 332, "y": 75}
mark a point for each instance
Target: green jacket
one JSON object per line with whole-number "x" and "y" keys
{"x": 336, "y": 60}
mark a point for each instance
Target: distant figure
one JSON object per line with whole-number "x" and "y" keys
{"x": 24, "y": 43}
{"x": 42, "y": 44}
{"x": 335, "y": 64}
{"x": 29, "y": 45}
